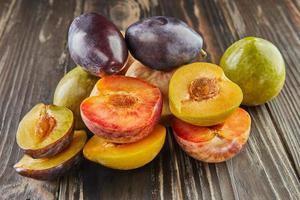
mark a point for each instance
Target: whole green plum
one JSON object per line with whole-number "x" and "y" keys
{"x": 257, "y": 66}
{"x": 72, "y": 89}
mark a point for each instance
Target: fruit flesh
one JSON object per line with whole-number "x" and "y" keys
{"x": 72, "y": 89}
{"x": 45, "y": 130}
{"x": 200, "y": 94}
{"x": 50, "y": 168}
{"x": 163, "y": 43}
{"x": 257, "y": 66}
{"x": 97, "y": 45}
{"x": 125, "y": 156}
{"x": 216, "y": 143}
{"x": 158, "y": 78}
{"x": 122, "y": 109}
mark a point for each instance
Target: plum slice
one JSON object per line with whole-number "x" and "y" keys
{"x": 53, "y": 167}
{"x": 200, "y": 94}
{"x": 215, "y": 143}
{"x": 45, "y": 130}
{"x": 125, "y": 156}
{"x": 122, "y": 109}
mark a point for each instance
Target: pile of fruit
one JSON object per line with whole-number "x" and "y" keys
{"x": 123, "y": 87}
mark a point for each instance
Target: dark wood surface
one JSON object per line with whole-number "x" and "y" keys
{"x": 33, "y": 57}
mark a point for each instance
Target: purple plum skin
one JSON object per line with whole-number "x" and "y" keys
{"x": 97, "y": 45}
{"x": 163, "y": 43}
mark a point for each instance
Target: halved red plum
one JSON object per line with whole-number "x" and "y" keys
{"x": 214, "y": 143}
{"x": 122, "y": 109}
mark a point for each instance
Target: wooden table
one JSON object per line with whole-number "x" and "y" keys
{"x": 34, "y": 56}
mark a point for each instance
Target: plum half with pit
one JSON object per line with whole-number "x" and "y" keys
{"x": 45, "y": 130}
{"x": 122, "y": 109}
{"x": 163, "y": 43}
{"x": 97, "y": 45}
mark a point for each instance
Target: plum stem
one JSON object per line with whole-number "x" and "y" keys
{"x": 203, "y": 53}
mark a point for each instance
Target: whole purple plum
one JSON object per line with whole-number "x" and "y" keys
{"x": 97, "y": 45}
{"x": 163, "y": 43}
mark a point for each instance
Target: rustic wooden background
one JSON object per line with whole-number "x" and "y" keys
{"x": 34, "y": 56}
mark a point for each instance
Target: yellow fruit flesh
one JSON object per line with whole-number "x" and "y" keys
{"x": 204, "y": 112}
{"x": 125, "y": 156}
{"x": 75, "y": 147}
{"x": 27, "y": 134}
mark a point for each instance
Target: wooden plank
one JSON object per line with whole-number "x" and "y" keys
{"x": 34, "y": 35}
{"x": 32, "y": 52}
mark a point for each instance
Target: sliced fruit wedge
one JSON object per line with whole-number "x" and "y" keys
{"x": 200, "y": 94}
{"x": 125, "y": 156}
{"x": 45, "y": 130}
{"x": 215, "y": 143}
{"x": 122, "y": 109}
{"x": 53, "y": 167}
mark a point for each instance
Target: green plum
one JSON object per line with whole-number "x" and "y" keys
{"x": 257, "y": 66}
{"x": 72, "y": 89}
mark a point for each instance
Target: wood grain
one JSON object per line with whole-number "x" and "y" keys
{"x": 33, "y": 57}
{"x": 31, "y": 48}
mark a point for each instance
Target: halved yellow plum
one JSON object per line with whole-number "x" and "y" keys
{"x": 215, "y": 143}
{"x": 53, "y": 167}
{"x": 45, "y": 130}
{"x": 201, "y": 94}
{"x": 125, "y": 156}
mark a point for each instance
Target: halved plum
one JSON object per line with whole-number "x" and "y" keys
{"x": 125, "y": 156}
{"x": 53, "y": 167}
{"x": 45, "y": 130}
{"x": 200, "y": 94}
{"x": 215, "y": 143}
{"x": 158, "y": 78}
{"x": 122, "y": 109}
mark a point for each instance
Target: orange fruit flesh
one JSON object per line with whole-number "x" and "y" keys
{"x": 234, "y": 127}
{"x": 125, "y": 156}
{"x": 122, "y": 103}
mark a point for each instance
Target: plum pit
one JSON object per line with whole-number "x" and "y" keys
{"x": 45, "y": 125}
{"x": 122, "y": 100}
{"x": 203, "y": 89}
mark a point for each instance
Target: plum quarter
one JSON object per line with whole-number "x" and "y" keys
{"x": 55, "y": 166}
{"x": 45, "y": 130}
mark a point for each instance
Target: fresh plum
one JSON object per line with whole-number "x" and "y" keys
{"x": 163, "y": 43}
{"x": 97, "y": 45}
